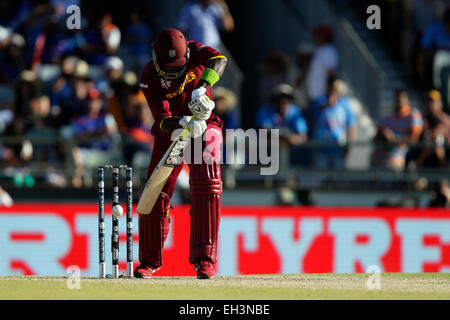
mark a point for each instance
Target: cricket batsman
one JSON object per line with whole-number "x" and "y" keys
{"x": 177, "y": 85}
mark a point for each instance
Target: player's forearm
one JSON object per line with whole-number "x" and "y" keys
{"x": 218, "y": 65}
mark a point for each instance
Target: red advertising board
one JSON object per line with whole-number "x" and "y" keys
{"x": 46, "y": 238}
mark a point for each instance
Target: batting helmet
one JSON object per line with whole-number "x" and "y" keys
{"x": 170, "y": 54}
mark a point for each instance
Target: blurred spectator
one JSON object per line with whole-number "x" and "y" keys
{"x": 30, "y": 24}
{"x": 26, "y": 88}
{"x": 11, "y": 55}
{"x": 110, "y": 33}
{"x": 440, "y": 195}
{"x": 94, "y": 124}
{"x": 284, "y": 115}
{"x": 436, "y": 133}
{"x": 94, "y": 130}
{"x": 400, "y": 130}
{"x": 202, "y": 21}
{"x": 302, "y": 64}
{"x": 39, "y": 124}
{"x": 424, "y": 13}
{"x": 14, "y": 122}
{"x": 113, "y": 69}
{"x": 139, "y": 122}
{"x": 139, "y": 36}
{"x": 436, "y": 37}
{"x": 73, "y": 105}
{"x": 276, "y": 69}
{"x": 335, "y": 127}
{"x": 418, "y": 16}
{"x": 38, "y": 118}
{"x": 117, "y": 103}
{"x": 324, "y": 62}
{"x": 6, "y": 120}
{"x": 60, "y": 87}
{"x": 50, "y": 44}
{"x": 99, "y": 40}
{"x": 225, "y": 106}
{"x": 5, "y": 36}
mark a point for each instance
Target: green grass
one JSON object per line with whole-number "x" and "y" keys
{"x": 259, "y": 287}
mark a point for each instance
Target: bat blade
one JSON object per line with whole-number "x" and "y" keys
{"x": 153, "y": 189}
{"x": 159, "y": 176}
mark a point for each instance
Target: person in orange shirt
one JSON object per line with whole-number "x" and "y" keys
{"x": 399, "y": 130}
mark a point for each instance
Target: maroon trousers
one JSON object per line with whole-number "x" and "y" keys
{"x": 205, "y": 189}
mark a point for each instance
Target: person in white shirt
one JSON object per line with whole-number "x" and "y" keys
{"x": 324, "y": 62}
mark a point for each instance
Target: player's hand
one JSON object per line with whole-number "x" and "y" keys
{"x": 196, "y": 126}
{"x": 201, "y": 105}
{"x": 198, "y": 93}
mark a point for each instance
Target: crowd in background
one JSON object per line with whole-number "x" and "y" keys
{"x": 66, "y": 95}
{"x": 414, "y": 136}
{"x": 79, "y": 90}
{"x": 306, "y": 102}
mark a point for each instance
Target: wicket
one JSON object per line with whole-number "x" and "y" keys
{"x": 115, "y": 220}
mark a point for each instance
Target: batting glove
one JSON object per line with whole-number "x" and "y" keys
{"x": 201, "y": 105}
{"x": 198, "y": 93}
{"x": 196, "y": 126}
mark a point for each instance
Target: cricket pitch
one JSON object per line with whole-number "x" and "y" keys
{"x": 251, "y": 287}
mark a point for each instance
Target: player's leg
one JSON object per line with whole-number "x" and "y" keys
{"x": 154, "y": 227}
{"x": 206, "y": 187}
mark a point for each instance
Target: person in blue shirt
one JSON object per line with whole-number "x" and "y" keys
{"x": 95, "y": 124}
{"x": 437, "y": 36}
{"x": 139, "y": 35}
{"x": 335, "y": 127}
{"x": 284, "y": 115}
{"x": 94, "y": 131}
{"x": 202, "y": 21}
{"x": 59, "y": 88}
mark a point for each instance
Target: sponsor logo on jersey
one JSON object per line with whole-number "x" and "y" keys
{"x": 189, "y": 77}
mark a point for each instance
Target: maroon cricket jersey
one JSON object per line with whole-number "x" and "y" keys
{"x": 170, "y": 97}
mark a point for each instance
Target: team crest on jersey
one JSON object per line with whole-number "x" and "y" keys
{"x": 166, "y": 83}
{"x": 172, "y": 53}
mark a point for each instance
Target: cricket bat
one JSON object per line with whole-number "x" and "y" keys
{"x": 162, "y": 172}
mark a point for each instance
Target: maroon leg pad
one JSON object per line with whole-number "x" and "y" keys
{"x": 153, "y": 230}
{"x": 205, "y": 184}
{"x": 154, "y": 227}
